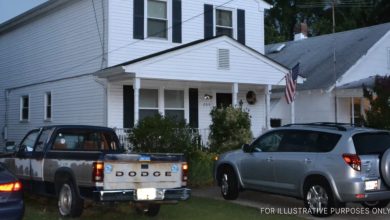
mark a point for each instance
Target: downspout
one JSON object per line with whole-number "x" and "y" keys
{"x": 5, "y": 128}
{"x": 104, "y": 85}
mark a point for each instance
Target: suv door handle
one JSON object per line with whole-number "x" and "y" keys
{"x": 307, "y": 160}
{"x": 269, "y": 159}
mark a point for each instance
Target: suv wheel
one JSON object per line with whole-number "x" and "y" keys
{"x": 69, "y": 202}
{"x": 375, "y": 204}
{"x": 149, "y": 209}
{"x": 229, "y": 184}
{"x": 318, "y": 197}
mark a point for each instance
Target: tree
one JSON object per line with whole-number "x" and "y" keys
{"x": 378, "y": 116}
{"x": 350, "y": 14}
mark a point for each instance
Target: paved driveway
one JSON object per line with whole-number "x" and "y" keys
{"x": 268, "y": 204}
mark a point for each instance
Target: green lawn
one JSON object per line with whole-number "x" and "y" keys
{"x": 38, "y": 208}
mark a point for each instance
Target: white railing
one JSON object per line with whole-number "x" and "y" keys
{"x": 123, "y": 135}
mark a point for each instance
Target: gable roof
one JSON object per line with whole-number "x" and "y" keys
{"x": 315, "y": 54}
{"x": 193, "y": 43}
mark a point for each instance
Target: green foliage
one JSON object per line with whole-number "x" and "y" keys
{"x": 163, "y": 135}
{"x": 201, "y": 166}
{"x": 379, "y": 114}
{"x": 285, "y": 14}
{"x": 230, "y": 129}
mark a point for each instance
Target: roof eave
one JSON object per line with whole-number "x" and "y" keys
{"x": 32, "y": 13}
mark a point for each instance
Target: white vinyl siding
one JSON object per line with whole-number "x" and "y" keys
{"x": 124, "y": 48}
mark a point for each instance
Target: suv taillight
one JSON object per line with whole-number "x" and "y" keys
{"x": 353, "y": 161}
{"x": 11, "y": 187}
{"x": 184, "y": 168}
{"x": 98, "y": 172}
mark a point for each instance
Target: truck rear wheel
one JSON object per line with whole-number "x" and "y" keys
{"x": 375, "y": 204}
{"x": 149, "y": 209}
{"x": 69, "y": 202}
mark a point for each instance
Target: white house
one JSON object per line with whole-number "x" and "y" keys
{"x": 113, "y": 62}
{"x": 332, "y": 91}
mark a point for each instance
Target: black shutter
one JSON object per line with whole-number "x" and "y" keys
{"x": 193, "y": 99}
{"x": 208, "y": 21}
{"x": 176, "y": 18}
{"x": 128, "y": 107}
{"x": 241, "y": 26}
{"x": 138, "y": 19}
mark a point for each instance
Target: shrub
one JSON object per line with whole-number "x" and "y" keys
{"x": 159, "y": 134}
{"x": 201, "y": 166}
{"x": 230, "y": 129}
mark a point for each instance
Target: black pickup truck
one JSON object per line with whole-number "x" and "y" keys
{"x": 76, "y": 163}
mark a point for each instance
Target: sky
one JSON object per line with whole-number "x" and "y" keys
{"x": 12, "y": 8}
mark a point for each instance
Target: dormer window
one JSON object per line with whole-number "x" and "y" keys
{"x": 224, "y": 22}
{"x": 157, "y": 19}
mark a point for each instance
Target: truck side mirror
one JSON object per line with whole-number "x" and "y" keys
{"x": 246, "y": 148}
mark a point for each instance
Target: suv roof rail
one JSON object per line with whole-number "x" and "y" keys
{"x": 338, "y": 126}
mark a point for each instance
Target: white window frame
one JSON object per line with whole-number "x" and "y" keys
{"x": 148, "y": 108}
{"x": 168, "y": 19}
{"x": 234, "y": 20}
{"x": 175, "y": 109}
{"x": 21, "y": 107}
{"x": 46, "y": 105}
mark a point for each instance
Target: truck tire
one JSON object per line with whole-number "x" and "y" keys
{"x": 69, "y": 202}
{"x": 229, "y": 184}
{"x": 149, "y": 209}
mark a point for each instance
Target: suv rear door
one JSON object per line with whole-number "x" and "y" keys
{"x": 297, "y": 154}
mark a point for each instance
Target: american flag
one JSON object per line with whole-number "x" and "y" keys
{"x": 291, "y": 84}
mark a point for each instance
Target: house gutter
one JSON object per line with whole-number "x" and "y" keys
{"x": 5, "y": 127}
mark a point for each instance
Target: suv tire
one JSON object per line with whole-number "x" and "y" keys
{"x": 229, "y": 184}
{"x": 385, "y": 167}
{"x": 69, "y": 202}
{"x": 319, "y": 198}
{"x": 375, "y": 204}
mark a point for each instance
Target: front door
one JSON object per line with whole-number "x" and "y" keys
{"x": 224, "y": 100}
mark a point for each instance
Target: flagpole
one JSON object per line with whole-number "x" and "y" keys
{"x": 292, "y": 108}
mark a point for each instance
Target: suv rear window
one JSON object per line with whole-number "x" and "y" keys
{"x": 371, "y": 143}
{"x": 308, "y": 141}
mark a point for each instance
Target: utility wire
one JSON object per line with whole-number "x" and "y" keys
{"x": 51, "y": 79}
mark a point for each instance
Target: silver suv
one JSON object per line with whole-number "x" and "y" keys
{"x": 325, "y": 164}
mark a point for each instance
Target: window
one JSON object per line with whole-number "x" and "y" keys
{"x": 157, "y": 21}
{"x": 45, "y": 134}
{"x": 174, "y": 104}
{"x": 148, "y": 103}
{"x": 24, "y": 108}
{"x": 86, "y": 140}
{"x": 268, "y": 143}
{"x": 223, "y": 22}
{"x": 371, "y": 143}
{"x": 29, "y": 142}
{"x": 48, "y": 108}
{"x": 308, "y": 141}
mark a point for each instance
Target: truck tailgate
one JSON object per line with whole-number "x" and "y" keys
{"x": 135, "y": 171}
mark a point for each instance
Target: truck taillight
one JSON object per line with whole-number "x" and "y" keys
{"x": 11, "y": 187}
{"x": 353, "y": 161}
{"x": 98, "y": 172}
{"x": 184, "y": 168}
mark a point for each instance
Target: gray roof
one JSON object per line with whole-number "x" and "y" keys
{"x": 315, "y": 54}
